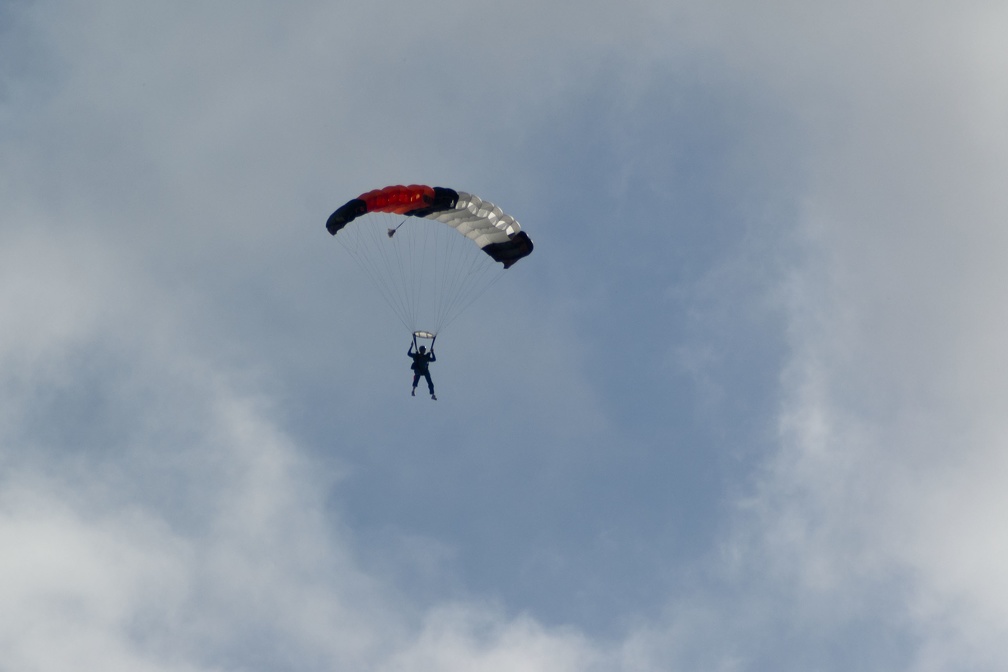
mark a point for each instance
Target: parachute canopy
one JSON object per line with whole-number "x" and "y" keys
{"x": 480, "y": 221}
{"x": 431, "y": 251}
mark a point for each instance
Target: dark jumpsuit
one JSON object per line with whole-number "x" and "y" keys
{"x": 421, "y": 360}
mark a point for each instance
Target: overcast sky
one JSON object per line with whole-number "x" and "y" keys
{"x": 743, "y": 408}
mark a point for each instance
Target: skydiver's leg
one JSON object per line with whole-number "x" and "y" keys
{"x": 430, "y": 383}
{"x": 416, "y": 379}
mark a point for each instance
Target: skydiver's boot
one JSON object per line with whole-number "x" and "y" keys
{"x": 433, "y": 396}
{"x": 412, "y": 392}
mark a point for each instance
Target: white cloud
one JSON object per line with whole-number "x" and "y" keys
{"x": 259, "y": 577}
{"x": 81, "y": 592}
{"x": 256, "y": 575}
{"x": 894, "y": 432}
{"x": 463, "y": 637}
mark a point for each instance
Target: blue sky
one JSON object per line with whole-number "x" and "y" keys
{"x": 742, "y": 409}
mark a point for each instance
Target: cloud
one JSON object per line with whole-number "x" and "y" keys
{"x": 461, "y": 637}
{"x": 891, "y": 461}
{"x": 197, "y": 536}
{"x": 201, "y": 456}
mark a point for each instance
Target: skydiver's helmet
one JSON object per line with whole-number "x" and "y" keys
{"x": 423, "y": 349}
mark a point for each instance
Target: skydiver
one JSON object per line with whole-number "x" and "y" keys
{"x": 421, "y": 362}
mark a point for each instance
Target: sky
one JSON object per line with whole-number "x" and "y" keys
{"x": 742, "y": 409}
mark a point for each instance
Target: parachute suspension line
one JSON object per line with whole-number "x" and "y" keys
{"x": 404, "y": 265}
{"x": 461, "y": 275}
{"x": 419, "y": 272}
{"x": 411, "y": 277}
{"x": 422, "y": 268}
{"x": 407, "y": 276}
{"x": 423, "y": 291}
{"x": 391, "y": 258}
{"x": 473, "y": 276}
{"x": 441, "y": 262}
{"x": 457, "y": 273}
{"x": 368, "y": 251}
{"x": 413, "y": 274}
{"x": 444, "y": 263}
{"x": 406, "y": 307}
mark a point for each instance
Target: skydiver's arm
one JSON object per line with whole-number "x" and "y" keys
{"x": 432, "y": 357}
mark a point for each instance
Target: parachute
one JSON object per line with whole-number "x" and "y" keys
{"x": 430, "y": 251}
